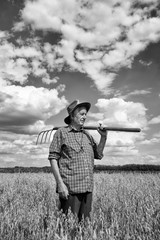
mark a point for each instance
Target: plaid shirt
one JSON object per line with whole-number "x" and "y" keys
{"x": 75, "y": 152}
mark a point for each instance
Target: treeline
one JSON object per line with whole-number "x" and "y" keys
{"x": 18, "y": 169}
{"x": 97, "y": 168}
{"x": 128, "y": 167}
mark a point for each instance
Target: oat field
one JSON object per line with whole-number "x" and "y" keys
{"x": 126, "y": 206}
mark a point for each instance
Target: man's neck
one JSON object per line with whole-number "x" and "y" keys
{"x": 76, "y": 127}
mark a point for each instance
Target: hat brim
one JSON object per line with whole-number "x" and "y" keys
{"x": 87, "y": 105}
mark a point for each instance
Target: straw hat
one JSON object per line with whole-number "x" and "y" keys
{"x": 73, "y": 106}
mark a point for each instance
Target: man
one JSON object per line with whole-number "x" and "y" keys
{"x": 71, "y": 154}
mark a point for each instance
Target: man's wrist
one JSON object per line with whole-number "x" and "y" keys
{"x": 104, "y": 136}
{"x": 59, "y": 186}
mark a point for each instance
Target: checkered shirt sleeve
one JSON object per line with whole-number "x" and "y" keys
{"x": 55, "y": 146}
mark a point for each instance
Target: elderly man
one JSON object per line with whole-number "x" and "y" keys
{"x": 71, "y": 154}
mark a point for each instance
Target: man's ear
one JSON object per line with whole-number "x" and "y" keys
{"x": 72, "y": 116}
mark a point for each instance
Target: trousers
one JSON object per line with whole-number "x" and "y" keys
{"x": 80, "y": 204}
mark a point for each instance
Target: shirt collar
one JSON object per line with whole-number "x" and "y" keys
{"x": 70, "y": 128}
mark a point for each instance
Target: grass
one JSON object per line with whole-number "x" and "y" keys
{"x": 126, "y": 206}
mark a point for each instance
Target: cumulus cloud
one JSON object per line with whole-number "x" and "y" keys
{"x": 150, "y": 141}
{"x": 137, "y": 159}
{"x": 121, "y": 113}
{"x": 20, "y": 150}
{"x": 155, "y": 120}
{"x": 117, "y": 112}
{"x": 25, "y": 109}
{"x": 119, "y": 144}
{"x": 19, "y": 63}
{"x": 98, "y": 37}
{"x": 125, "y": 151}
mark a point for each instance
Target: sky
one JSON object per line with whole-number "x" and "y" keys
{"x": 106, "y": 52}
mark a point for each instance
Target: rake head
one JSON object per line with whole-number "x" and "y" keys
{"x": 46, "y": 135}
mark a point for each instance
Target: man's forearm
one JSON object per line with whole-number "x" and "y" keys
{"x": 55, "y": 170}
{"x": 101, "y": 144}
{"x": 62, "y": 189}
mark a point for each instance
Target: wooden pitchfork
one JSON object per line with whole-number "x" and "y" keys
{"x": 45, "y": 136}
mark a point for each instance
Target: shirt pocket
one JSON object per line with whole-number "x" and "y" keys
{"x": 72, "y": 147}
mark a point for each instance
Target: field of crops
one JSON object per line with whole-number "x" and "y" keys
{"x": 125, "y": 206}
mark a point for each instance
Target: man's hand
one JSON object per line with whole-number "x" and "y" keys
{"x": 102, "y": 131}
{"x": 63, "y": 191}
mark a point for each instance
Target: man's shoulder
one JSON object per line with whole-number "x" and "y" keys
{"x": 63, "y": 129}
{"x": 88, "y": 134}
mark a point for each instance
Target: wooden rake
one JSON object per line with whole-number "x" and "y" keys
{"x": 45, "y": 136}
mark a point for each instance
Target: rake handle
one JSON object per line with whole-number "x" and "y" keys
{"x": 120, "y": 129}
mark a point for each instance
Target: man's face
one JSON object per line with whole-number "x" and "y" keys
{"x": 79, "y": 116}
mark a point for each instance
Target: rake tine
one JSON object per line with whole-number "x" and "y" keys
{"x": 51, "y": 131}
{"x": 43, "y": 133}
{"x": 38, "y": 137}
{"x": 47, "y": 131}
{"x": 50, "y": 134}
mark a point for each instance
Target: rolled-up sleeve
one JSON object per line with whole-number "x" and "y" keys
{"x": 55, "y": 146}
